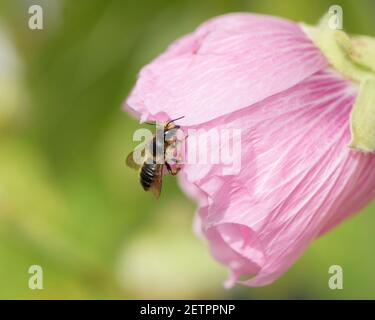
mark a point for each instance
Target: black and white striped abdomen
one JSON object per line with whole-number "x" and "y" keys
{"x": 148, "y": 175}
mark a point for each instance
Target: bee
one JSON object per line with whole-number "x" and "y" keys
{"x": 151, "y": 170}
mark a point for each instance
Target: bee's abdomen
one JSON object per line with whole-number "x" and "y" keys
{"x": 147, "y": 176}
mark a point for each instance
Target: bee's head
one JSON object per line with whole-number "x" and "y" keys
{"x": 170, "y": 131}
{"x": 170, "y": 135}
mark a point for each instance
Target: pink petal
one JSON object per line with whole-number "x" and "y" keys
{"x": 227, "y": 64}
{"x": 298, "y": 178}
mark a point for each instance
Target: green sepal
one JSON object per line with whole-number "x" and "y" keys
{"x": 354, "y": 58}
{"x": 362, "y": 119}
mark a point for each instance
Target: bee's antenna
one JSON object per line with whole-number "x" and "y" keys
{"x": 175, "y": 120}
{"x": 150, "y": 123}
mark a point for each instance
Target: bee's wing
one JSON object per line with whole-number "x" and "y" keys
{"x": 135, "y": 160}
{"x": 133, "y": 163}
{"x": 155, "y": 187}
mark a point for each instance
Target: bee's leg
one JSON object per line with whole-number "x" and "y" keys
{"x": 169, "y": 168}
{"x": 172, "y": 171}
{"x": 175, "y": 171}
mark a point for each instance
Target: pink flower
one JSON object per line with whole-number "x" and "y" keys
{"x": 298, "y": 178}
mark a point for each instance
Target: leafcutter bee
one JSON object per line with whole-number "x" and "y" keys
{"x": 152, "y": 165}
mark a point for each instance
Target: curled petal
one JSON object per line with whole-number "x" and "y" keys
{"x": 298, "y": 178}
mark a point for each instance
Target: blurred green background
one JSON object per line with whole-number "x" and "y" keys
{"x": 67, "y": 201}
